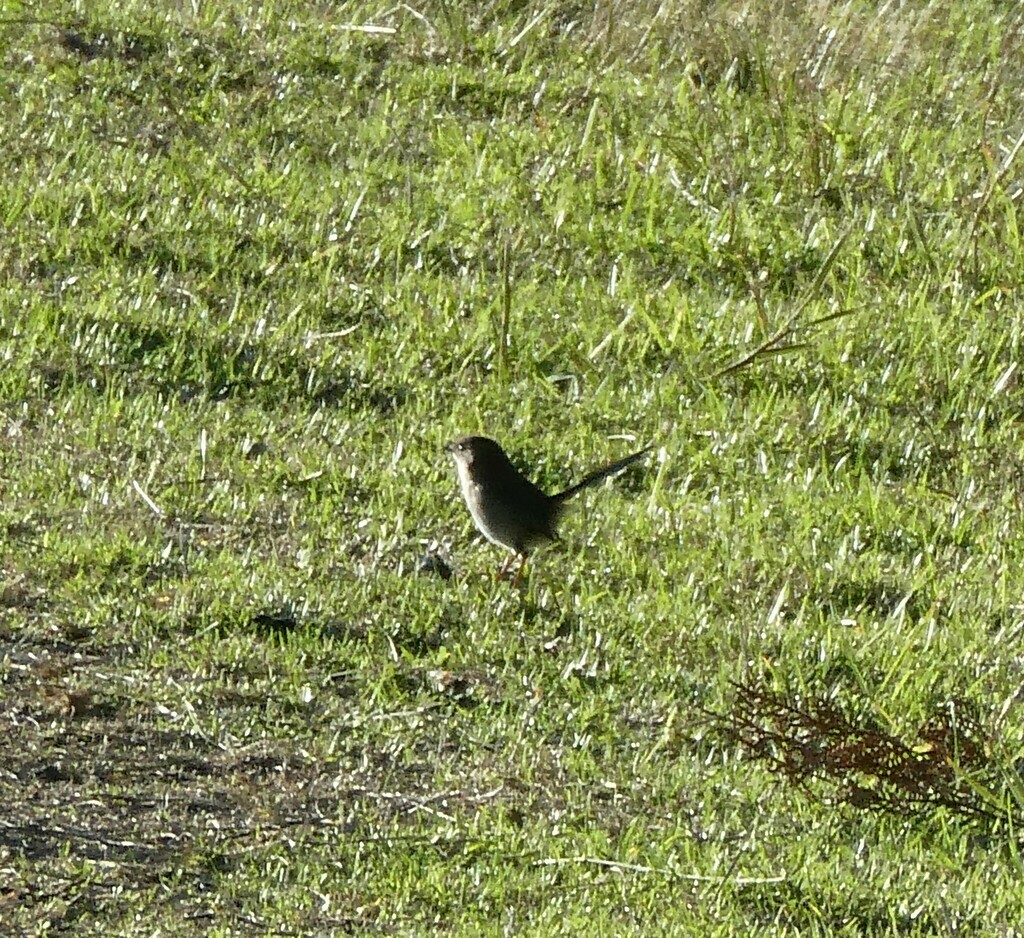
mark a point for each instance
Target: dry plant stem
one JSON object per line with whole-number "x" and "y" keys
{"x": 775, "y": 343}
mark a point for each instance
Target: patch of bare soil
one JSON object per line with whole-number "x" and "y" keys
{"x": 108, "y": 814}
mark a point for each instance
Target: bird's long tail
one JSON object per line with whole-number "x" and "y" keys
{"x": 598, "y": 474}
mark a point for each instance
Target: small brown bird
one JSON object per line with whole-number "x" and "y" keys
{"x": 508, "y": 508}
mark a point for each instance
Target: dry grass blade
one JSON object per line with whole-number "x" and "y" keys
{"x": 778, "y": 341}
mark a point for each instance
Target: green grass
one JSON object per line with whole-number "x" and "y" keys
{"x": 259, "y": 267}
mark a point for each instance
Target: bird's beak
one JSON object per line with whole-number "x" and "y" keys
{"x": 449, "y": 447}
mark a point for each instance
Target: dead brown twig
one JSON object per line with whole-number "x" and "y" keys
{"x": 947, "y": 765}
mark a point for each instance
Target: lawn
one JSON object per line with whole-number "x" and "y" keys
{"x": 262, "y": 261}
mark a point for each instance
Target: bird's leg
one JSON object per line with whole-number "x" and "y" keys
{"x": 519, "y": 572}
{"x": 506, "y": 565}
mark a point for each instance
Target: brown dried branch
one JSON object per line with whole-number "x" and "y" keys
{"x": 947, "y": 765}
